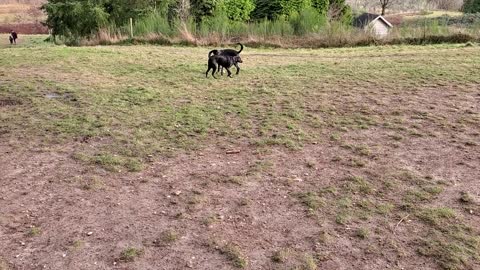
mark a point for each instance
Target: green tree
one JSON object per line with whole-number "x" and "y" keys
{"x": 471, "y": 6}
{"x": 239, "y": 10}
{"x": 202, "y": 8}
{"x": 75, "y": 19}
{"x": 339, "y": 10}
{"x": 321, "y": 6}
{"x": 272, "y": 9}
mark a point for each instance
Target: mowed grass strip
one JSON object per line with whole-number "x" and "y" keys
{"x": 138, "y": 101}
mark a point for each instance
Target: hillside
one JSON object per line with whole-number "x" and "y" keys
{"x": 22, "y": 16}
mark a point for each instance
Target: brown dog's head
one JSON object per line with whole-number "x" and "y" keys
{"x": 238, "y": 59}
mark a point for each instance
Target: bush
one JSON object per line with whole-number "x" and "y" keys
{"x": 272, "y": 9}
{"x": 75, "y": 19}
{"x": 307, "y": 21}
{"x": 471, "y": 6}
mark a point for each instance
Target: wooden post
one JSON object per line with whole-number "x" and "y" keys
{"x": 131, "y": 28}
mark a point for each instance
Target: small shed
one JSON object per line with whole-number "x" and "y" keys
{"x": 373, "y": 23}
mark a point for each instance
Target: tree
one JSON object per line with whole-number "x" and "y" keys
{"x": 384, "y": 4}
{"x": 75, "y": 19}
{"x": 239, "y": 10}
{"x": 272, "y": 9}
{"x": 471, "y": 6}
{"x": 339, "y": 10}
{"x": 202, "y": 8}
{"x": 321, "y": 6}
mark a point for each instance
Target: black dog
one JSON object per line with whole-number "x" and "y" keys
{"x": 223, "y": 61}
{"x": 227, "y": 52}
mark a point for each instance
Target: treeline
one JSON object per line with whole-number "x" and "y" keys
{"x": 80, "y": 19}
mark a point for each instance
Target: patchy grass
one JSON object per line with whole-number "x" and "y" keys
{"x": 77, "y": 245}
{"x": 436, "y": 216}
{"x": 281, "y": 256}
{"x": 363, "y": 233}
{"x": 130, "y": 254}
{"x": 235, "y": 255}
{"x": 453, "y": 248}
{"x": 34, "y": 231}
{"x": 167, "y": 237}
{"x": 466, "y": 197}
{"x": 311, "y": 200}
{"x": 352, "y": 135}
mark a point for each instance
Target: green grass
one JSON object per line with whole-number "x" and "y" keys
{"x": 363, "y": 233}
{"x": 311, "y": 200}
{"x": 235, "y": 255}
{"x": 168, "y": 237}
{"x": 34, "y": 231}
{"x": 154, "y": 102}
{"x": 130, "y": 254}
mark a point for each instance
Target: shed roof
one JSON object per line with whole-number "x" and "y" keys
{"x": 368, "y": 18}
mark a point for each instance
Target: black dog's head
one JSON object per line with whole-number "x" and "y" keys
{"x": 237, "y": 59}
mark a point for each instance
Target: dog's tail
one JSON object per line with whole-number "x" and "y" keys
{"x": 241, "y": 48}
{"x": 213, "y": 52}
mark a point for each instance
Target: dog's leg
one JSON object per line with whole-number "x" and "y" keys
{"x": 238, "y": 68}
{"x": 229, "y": 72}
{"x": 206, "y": 74}
{"x": 214, "y": 70}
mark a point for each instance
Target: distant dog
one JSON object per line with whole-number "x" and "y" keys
{"x": 227, "y": 52}
{"x": 223, "y": 61}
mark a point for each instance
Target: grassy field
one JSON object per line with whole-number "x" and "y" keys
{"x": 127, "y": 157}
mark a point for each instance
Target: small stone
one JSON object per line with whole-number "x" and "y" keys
{"x": 89, "y": 233}
{"x": 177, "y": 193}
{"x": 470, "y": 211}
{"x": 64, "y": 255}
{"x": 22, "y": 243}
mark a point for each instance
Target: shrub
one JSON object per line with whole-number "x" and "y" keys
{"x": 471, "y": 6}
{"x": 239, "y": 10}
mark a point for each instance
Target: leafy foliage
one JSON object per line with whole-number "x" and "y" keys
{"x": 202, "y": 8}
{"x": 471, "y": 6}
{"x": 321, "y": 6}
{"x": 339, "y": 10}
{"x": 272, "y": 9}
{"x": 239, "y": 10}
{"x": 74, "y": 19}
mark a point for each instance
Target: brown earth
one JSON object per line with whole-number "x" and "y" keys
{"x": 211, "y": 198}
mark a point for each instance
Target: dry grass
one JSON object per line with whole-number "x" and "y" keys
{"x": 16, "y": 13}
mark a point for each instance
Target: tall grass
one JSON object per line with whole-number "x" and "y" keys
{"x": 303, "y": 29}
